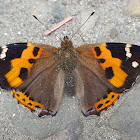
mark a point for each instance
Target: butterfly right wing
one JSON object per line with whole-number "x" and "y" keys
{"x": 31, "y": 71}
{"x": 90, "y": 89}
{"x": 106, "y": 71}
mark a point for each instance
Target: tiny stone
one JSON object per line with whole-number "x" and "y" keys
{"x": 113, "y": 33}
{"x": 5, "y": 129}
{"x": 58, "y": 13}
{"x": 13, "y": 115}
{"x": 19, "y": 32}
{"x": 64, "y": 32}
{"x": 6, "y": 34}
{"x": 133, "y": 8}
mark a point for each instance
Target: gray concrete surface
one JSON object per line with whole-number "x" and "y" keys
{"x": 115, "y": 21}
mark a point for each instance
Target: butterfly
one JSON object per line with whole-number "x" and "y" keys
{"x": 37, "y": 74}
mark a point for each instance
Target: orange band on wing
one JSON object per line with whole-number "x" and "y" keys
{"x": 28, "y": 53}
{"x": 106, "y": 103}
{"x": 119, "y": 76}
{"x": 26, "y": 101}
{"x": 13, "y": 76}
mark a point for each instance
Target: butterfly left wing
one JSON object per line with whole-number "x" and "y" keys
{"x": 105, "y": 71}
{"x": 30, "y": 70}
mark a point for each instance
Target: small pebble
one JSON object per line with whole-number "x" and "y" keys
{"x": 19, "y": 32}
{"x": 113, "y": 33}
{"x": 133, "y": 8}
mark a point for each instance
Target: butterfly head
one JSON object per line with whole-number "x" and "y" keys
{"x": 66, "y": 42}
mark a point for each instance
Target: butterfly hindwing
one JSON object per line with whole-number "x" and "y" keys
{"x": 30, "y": 70}
{"x": 115, "y": 66}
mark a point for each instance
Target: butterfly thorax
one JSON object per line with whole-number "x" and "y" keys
{"x": 67, "y": 55}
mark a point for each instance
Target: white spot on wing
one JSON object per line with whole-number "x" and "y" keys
{"x": 127, "y": 49}
{"x": 128, "y": 54}
{"x": 2, "y": 56}
{"x": 128, "y": 45}
{"x": 135, "y": 64}
{"x": 3, "y": 53}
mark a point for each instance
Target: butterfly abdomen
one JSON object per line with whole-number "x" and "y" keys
{"x": 70, "y": 84}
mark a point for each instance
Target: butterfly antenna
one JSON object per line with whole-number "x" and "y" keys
{"x": 83, "y": 24}
{"x": 45, "y": 26}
